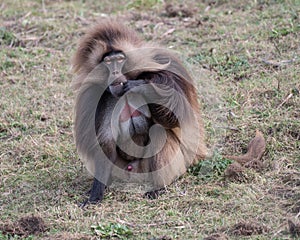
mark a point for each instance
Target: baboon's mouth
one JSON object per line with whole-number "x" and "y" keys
{"x": 117, "y": 84}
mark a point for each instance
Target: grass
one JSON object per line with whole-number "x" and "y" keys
{"x": 245, "y": 57}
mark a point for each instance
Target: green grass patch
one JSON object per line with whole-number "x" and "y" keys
{"x": 111, "y": 230}
{"x": 211, "y": 168}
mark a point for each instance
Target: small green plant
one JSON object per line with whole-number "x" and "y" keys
{"x": 13, "y": 237}
{"x": 6, "y": 37}
{"x": 112, "y": 230}
{"x": 280, "y": 32}
{"x": 6, "y": 64}
{"x": 232, "y": 65}
{"x": 210, "y": 168}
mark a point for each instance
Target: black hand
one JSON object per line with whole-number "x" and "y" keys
{"x": 130, "y": 84}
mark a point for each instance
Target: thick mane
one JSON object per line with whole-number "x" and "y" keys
{"x": 103, "y": 38}
{"x": 110, "y": 32}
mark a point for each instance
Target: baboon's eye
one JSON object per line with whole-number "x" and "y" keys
{"x": 107, "y": 60}
{"x": 120, "y": 58}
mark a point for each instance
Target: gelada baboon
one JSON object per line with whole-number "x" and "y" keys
{"x": 137, "y": 118}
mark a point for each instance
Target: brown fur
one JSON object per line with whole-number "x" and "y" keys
{"x": 155, "y": 65}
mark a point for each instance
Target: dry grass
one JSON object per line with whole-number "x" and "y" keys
{"x": 248, "y": 56}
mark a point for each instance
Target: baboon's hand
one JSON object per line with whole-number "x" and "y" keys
{"x": 131, "y": 84}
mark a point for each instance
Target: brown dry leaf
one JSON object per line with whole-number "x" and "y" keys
{"x": 255, "y": 150}
{"x": 255, "y": 164}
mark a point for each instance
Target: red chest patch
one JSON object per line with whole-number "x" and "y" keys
{"x": 128, "y": 112}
